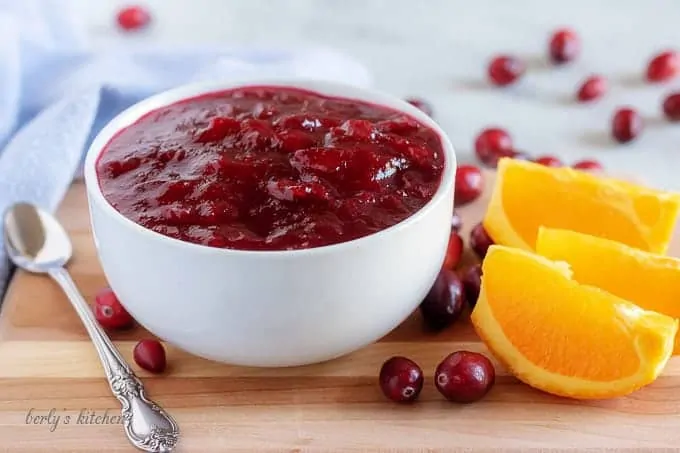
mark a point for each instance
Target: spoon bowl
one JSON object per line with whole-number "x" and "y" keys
{"x": 35, "y": 241}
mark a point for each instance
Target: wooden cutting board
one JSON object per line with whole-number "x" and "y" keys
{"x": 48, "y": 364}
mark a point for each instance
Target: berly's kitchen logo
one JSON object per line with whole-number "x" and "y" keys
{"x": 54, "y": 418}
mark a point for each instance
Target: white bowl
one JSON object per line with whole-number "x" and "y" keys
{"x": 271, "y": 308}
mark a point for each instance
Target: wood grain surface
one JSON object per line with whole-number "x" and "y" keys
{"x": 48, "y": 364}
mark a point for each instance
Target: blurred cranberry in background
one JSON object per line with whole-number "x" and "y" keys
{"x": 504, "y": 70}
{"x": 663, "y": 67}
{"x": 132, "y": 18}
{"x": 469, "y": 184}
{"x": 564, "y": 46}
{"x": 548, "y": 161}
{"x": 491, "y": 143}
{"x": 671, "y": 106}
{"x": 592, "y": 88}
{"x": 588, "y": 165}
{"x": 626, "y": 125}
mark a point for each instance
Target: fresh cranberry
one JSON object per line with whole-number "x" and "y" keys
{"x": 480, "y": 241}
{"x": 444, "y": 302}
{"x": 109, "y": 312}
{"x": 592, "y": 88}
{"x": 504, "y": 70}
{"x": 454, "y": 251}
{"x": 588, "y": 165}
{"x": 565, "y": 45}
{"x": 490, "y": 143}
{"x": 472, "y": 282}
{"x": 671, "y": 106}
{"x": 421, "y": 104}
{"x": 150, "y": 355}
{"x": 626, "y": 125}
{"x": 133, "y": 18}
{"x": 548, "y": 161}
{"x": 456, "y": 221}
{"x": 401, "y": 379}
{"x": 464, "y": 376}
{"x": 663, "y": 67}
{"x": 469, "y": 184}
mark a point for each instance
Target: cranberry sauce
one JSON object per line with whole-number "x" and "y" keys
{"x": 269, "y": 168}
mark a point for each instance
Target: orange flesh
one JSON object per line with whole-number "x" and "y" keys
{"x": 573, "y": 200}
{"x": 650, "y": 281}
{"x": 538, "y": 305}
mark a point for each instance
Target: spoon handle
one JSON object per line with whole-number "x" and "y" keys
{"x": 148, "y": 426}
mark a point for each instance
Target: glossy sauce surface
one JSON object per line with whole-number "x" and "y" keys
{"x": 270, "y": 168}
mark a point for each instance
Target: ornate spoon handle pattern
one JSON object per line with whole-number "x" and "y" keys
{"x": 148, "y": 426}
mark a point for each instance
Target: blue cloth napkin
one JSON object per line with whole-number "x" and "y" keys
{"x": 56, "y": 93}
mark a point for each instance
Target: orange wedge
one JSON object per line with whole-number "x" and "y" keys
{"x": 562, "y": 337}
{"x": 645, "y": 279}
{"x": 528, "y": 195}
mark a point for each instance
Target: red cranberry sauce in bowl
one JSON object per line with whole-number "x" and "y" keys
{"x": 270, "y": 168}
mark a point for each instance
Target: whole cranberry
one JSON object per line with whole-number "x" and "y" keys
{"x": 492, "y": 142}
{"x": 504, "y": 70}
{"x": 444, "y": 302}
{"x": 401, "y": 379}
{"x": 133, "y": 18}
{"x": 626, "y": 125}
{"x": 671, "y": 106}
{"x": 592, "y": 88}
{"x": 454, "y": 251}
{"x": 150, "y": 355}
{"x": 109, "y": 312}
{"x": 456, "y": 221}
{"x": 464, "y": 376}
{"x": 421, "y": 104}
{"x": 480, "y": 241}
{"x": 548, "y": 161}
{"x": 472, "y": 282}
{"x": 565, "y": 45}
{"x": 469, "y": 184}
{"x": 663, "y": 67}
{"x": 588, "y": 165}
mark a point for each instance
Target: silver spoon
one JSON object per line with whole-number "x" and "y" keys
{"x": 36, "y": 242}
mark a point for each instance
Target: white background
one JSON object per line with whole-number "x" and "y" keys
{"x": 439, "y": 49}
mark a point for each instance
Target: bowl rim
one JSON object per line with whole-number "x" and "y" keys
{"x": 322, "y": 87}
